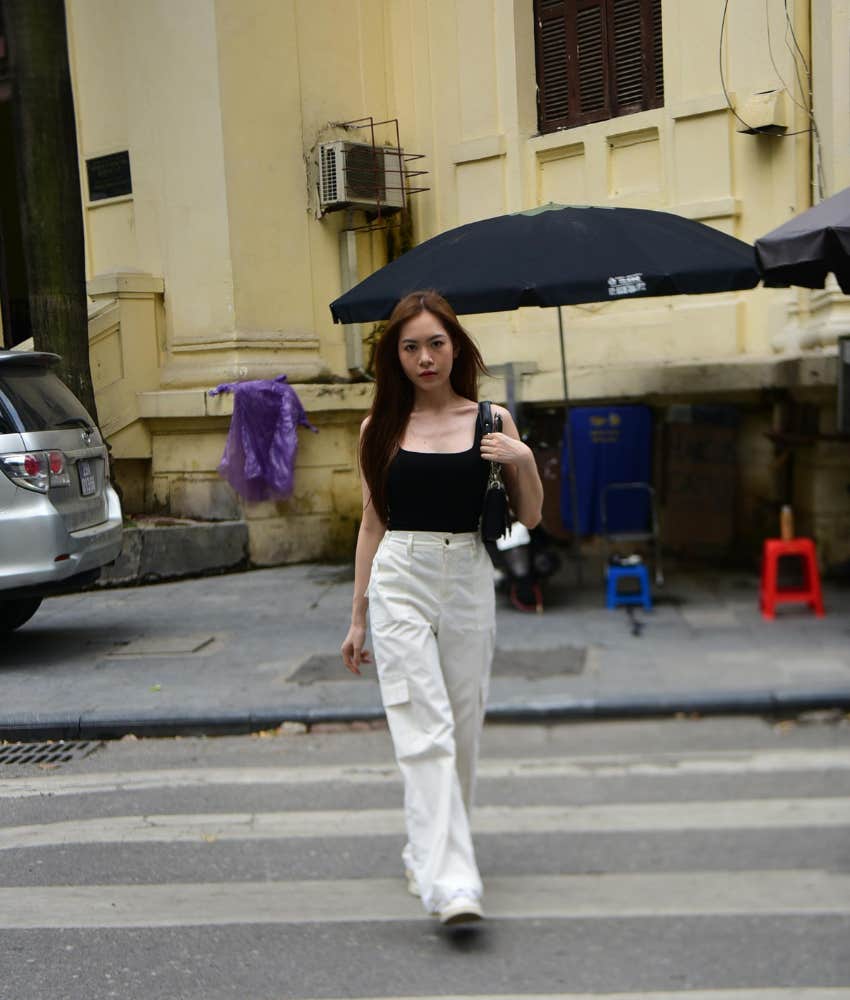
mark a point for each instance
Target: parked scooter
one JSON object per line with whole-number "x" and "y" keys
{"x": 524, "y": 559}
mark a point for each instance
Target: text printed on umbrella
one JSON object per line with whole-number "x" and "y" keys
{"x": 626, "y": 284}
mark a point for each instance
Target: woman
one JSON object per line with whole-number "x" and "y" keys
{"x": 422, "y": 570}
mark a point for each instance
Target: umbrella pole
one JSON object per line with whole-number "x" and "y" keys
{"x": 568, "y": 440}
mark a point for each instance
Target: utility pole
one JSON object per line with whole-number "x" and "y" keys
{"x": 48, "y": 173}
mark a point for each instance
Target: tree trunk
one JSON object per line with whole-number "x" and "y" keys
{"x": 49, "y": 185}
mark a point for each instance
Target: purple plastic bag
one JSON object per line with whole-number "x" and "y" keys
{"x": 259, "y": 454}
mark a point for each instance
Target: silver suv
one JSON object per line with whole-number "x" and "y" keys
{"x": 60, "y": 519}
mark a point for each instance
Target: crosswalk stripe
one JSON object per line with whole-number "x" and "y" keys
{"x": 357, "y": 900}
{"x": 751, "y": 814}
{"x": 581, "y": 766}
{"x": 769, "y": 993}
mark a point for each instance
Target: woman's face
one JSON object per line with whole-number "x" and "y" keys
{"x": 426, "y": 351}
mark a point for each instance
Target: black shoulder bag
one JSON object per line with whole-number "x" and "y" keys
{"x": 495, "y": 513}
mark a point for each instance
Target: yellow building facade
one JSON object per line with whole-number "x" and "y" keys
{"x": 219, "y": 266}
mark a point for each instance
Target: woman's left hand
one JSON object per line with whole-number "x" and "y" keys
{"x": 504, "y": 449}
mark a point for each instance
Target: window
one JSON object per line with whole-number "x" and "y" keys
{"x": 41, "y": 401}
{"x": 596, "y": 59}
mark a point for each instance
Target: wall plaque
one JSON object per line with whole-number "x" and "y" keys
{"x": 109, "y": 176}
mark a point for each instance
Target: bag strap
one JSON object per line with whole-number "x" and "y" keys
{"x": 488, "y": 422}
{"x": 484, "y": 424}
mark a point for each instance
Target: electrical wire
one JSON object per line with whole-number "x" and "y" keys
{"x": 790, "y": 26}
{"x": 819, "y": 172}
{"x": 805, "y": 90}
{"x": 789, "y": 90}
{"x": 751, "y": 128}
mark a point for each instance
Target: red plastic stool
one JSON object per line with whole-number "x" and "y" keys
{"x": 810, "y": 593}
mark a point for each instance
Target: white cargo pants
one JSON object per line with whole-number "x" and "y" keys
{"x": 432, "y": 616}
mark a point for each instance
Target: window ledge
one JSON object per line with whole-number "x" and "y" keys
{"x": 605, "y": 128}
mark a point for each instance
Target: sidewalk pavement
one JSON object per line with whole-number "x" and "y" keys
{"x": 250, "y": 650}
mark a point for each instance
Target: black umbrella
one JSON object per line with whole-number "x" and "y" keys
{"x": 558, "y": 255}
{"x": 805, "y": 249}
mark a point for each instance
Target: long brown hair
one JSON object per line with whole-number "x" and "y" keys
{"x": 393, "y": 400}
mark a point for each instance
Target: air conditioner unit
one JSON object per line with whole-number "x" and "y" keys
{"x": 359, "y": 175}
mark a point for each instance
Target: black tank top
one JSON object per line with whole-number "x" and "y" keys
{"x": 429, "y": 491}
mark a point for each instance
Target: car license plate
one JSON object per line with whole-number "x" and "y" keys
{"x": 88, "y": 480}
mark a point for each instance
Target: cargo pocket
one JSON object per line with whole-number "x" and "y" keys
{"x": 395, "y": 692}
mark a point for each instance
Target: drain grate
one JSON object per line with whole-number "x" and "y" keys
{"x": 52, "y": 752}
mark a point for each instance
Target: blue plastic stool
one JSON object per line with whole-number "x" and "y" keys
{"x": 614, "y": 599}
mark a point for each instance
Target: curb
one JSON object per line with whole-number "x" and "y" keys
{"x": 72, "y": 726}
{"x": 161, "y": 553}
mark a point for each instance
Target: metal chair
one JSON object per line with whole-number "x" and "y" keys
{"x": 650, "y": 535}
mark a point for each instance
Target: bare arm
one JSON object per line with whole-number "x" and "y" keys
{"x": 519, "y": 469}
{"x": 368, "y": 538}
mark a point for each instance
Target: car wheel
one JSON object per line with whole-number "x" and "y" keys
{"x": 13, "y": 614}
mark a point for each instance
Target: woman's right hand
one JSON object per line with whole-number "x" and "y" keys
{"x": 353, "y": 653}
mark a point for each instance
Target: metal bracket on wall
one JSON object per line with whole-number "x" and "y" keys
{"x": 381, "y": 220}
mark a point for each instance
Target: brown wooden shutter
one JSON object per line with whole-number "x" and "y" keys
{"x": 627, "y": 63}
{"x": 553, "y": 101}
{"x": 657, "y": 91}
{"x": 636, "y": 55}
{"x": 597, "y": 59}
{"x": 590, "y": 68}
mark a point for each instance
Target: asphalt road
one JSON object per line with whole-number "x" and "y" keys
{"x": 699, "y": 859}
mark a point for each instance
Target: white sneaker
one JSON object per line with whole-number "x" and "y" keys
{"x": 412, "y": 886}
{"x": 461, "y": 910}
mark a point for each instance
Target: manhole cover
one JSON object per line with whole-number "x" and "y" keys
{"x": 531, "y": 664}
{"x": 58, "y": 752}
{"x": 162, "y": 646}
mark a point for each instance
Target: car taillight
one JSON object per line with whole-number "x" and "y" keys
{"x": 36, "y": 470}
{"x": 59, "y": 474}
{"x": 30, "y": 470}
